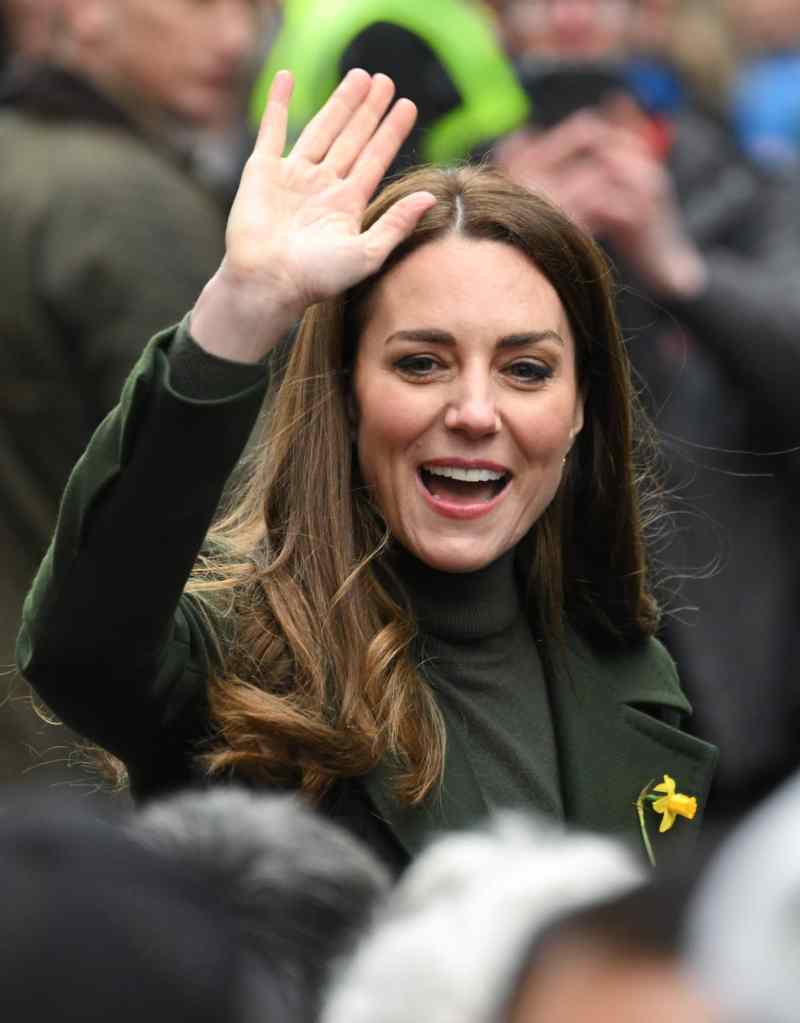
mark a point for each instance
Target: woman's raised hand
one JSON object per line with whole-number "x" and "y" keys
{"x": 294, "y": 233}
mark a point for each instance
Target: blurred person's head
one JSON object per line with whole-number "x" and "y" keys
{"x": 651, "y": 25}
{"x": 770, "y": 25}
{"x": 300, "y": 889}
{"x": 660, "y": 50}
{"x": 743, "y": 939}
{"x": 96, "y": 927}
{"x": 185, "y": 58}
{"x": 569, "y": 29}
{"x": 460, "y": 916}
{"x": 614, "y": 961}
{"x": 700, "y": 46}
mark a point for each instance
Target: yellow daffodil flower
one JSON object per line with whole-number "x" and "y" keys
{"x": 672, "y": 804}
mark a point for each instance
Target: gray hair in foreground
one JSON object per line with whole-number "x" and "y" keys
{"x": 299, "y": 887}
{"x": 743, "y": 939}
{"x": 448, "y": 942}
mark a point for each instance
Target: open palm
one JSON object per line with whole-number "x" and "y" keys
{"x": 295, "y": 225}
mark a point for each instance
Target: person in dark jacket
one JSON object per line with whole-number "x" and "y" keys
{"x": 707, "y": 248}
{"x": 106, "y": 236}
{"x": 430, "y": 595}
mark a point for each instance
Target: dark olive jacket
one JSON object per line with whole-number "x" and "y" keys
{"x": 105, "y": 237}
{"x": 115, "y": 647}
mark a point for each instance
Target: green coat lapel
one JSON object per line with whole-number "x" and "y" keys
{"x": 458, "y": 804}
{"x": 610, "y": 747}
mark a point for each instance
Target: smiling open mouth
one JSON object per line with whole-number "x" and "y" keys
{"x": 463, "y": 486}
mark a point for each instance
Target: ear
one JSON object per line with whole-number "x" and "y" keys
{"x": 577, "y": 421}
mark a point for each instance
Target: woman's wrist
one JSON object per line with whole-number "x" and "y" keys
{"x": 238, "y": 320}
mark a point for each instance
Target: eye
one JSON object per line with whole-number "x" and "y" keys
{"x": 417, "y": 365}
{"x": 529, "y": 371}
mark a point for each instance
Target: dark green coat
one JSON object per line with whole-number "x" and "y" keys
{"x": 114, "y": 647}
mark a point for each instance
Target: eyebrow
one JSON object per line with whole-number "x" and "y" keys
{"x": 433, "y": 335}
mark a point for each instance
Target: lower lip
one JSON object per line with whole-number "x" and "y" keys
{"x": 451, "y": 510}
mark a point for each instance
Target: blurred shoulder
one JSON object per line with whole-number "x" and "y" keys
{"x": 98, "y": 163}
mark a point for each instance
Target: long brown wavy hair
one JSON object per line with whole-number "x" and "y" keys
{"x": 316, "y": 677}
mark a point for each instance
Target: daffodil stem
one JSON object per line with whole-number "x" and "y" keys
{"x": 643, "y": 824}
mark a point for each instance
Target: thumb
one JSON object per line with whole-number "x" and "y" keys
{"x": 395, "y": 226}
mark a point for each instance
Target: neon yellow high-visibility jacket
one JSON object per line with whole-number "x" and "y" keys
{"x": 316, "y": 34}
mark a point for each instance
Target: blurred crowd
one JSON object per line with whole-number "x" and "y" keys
{"x": 239, "y": 907}
{"x": 670, "y": 129}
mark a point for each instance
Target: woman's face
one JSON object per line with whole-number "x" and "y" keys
{"x": 465, "y": 400}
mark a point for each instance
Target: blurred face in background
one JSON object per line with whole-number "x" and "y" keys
{"x": 569, "y": 29}
{"x": 652, "y": 24}
{"x": 765, "y": 24}
{"x": 577, "y": 983}
{"x": 190, "y": 58}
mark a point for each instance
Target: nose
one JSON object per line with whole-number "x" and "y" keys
{"x": 472, "y": 409}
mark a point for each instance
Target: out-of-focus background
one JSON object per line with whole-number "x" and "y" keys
{"x": 669, "y": 128}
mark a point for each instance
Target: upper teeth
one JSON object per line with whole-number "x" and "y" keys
{"x": 467, "y": 475}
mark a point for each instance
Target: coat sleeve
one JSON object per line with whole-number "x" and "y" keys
{"x": 108, "y": 639}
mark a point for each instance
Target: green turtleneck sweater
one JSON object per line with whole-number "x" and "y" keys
{"x": 478, "y": 652}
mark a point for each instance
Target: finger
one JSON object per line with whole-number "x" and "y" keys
{"x": 574, "y": 137}
{"x": 272, "y": 129}
{"x": 394, "y": 226}
{"x": 351, "y": 141}
{"x": 377, "y": 155}
{"x": 627, "y": 140}
{"x": 582, "y": 194}
{"x": 633, "y": 169}
{"x": 319, "y": 134}
{"x": 612, "y": 211}
{"x": 622, "y": 110}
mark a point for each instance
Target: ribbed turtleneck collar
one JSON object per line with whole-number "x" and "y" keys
{"x": 463, "y": 606}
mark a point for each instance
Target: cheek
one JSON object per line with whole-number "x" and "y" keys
{"x": 390, "y": 422}
{"x": 544, "y": 437}
{"x": 379, "y": 435}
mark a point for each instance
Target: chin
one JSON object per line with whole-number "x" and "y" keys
{"x": 457, "y": 558}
